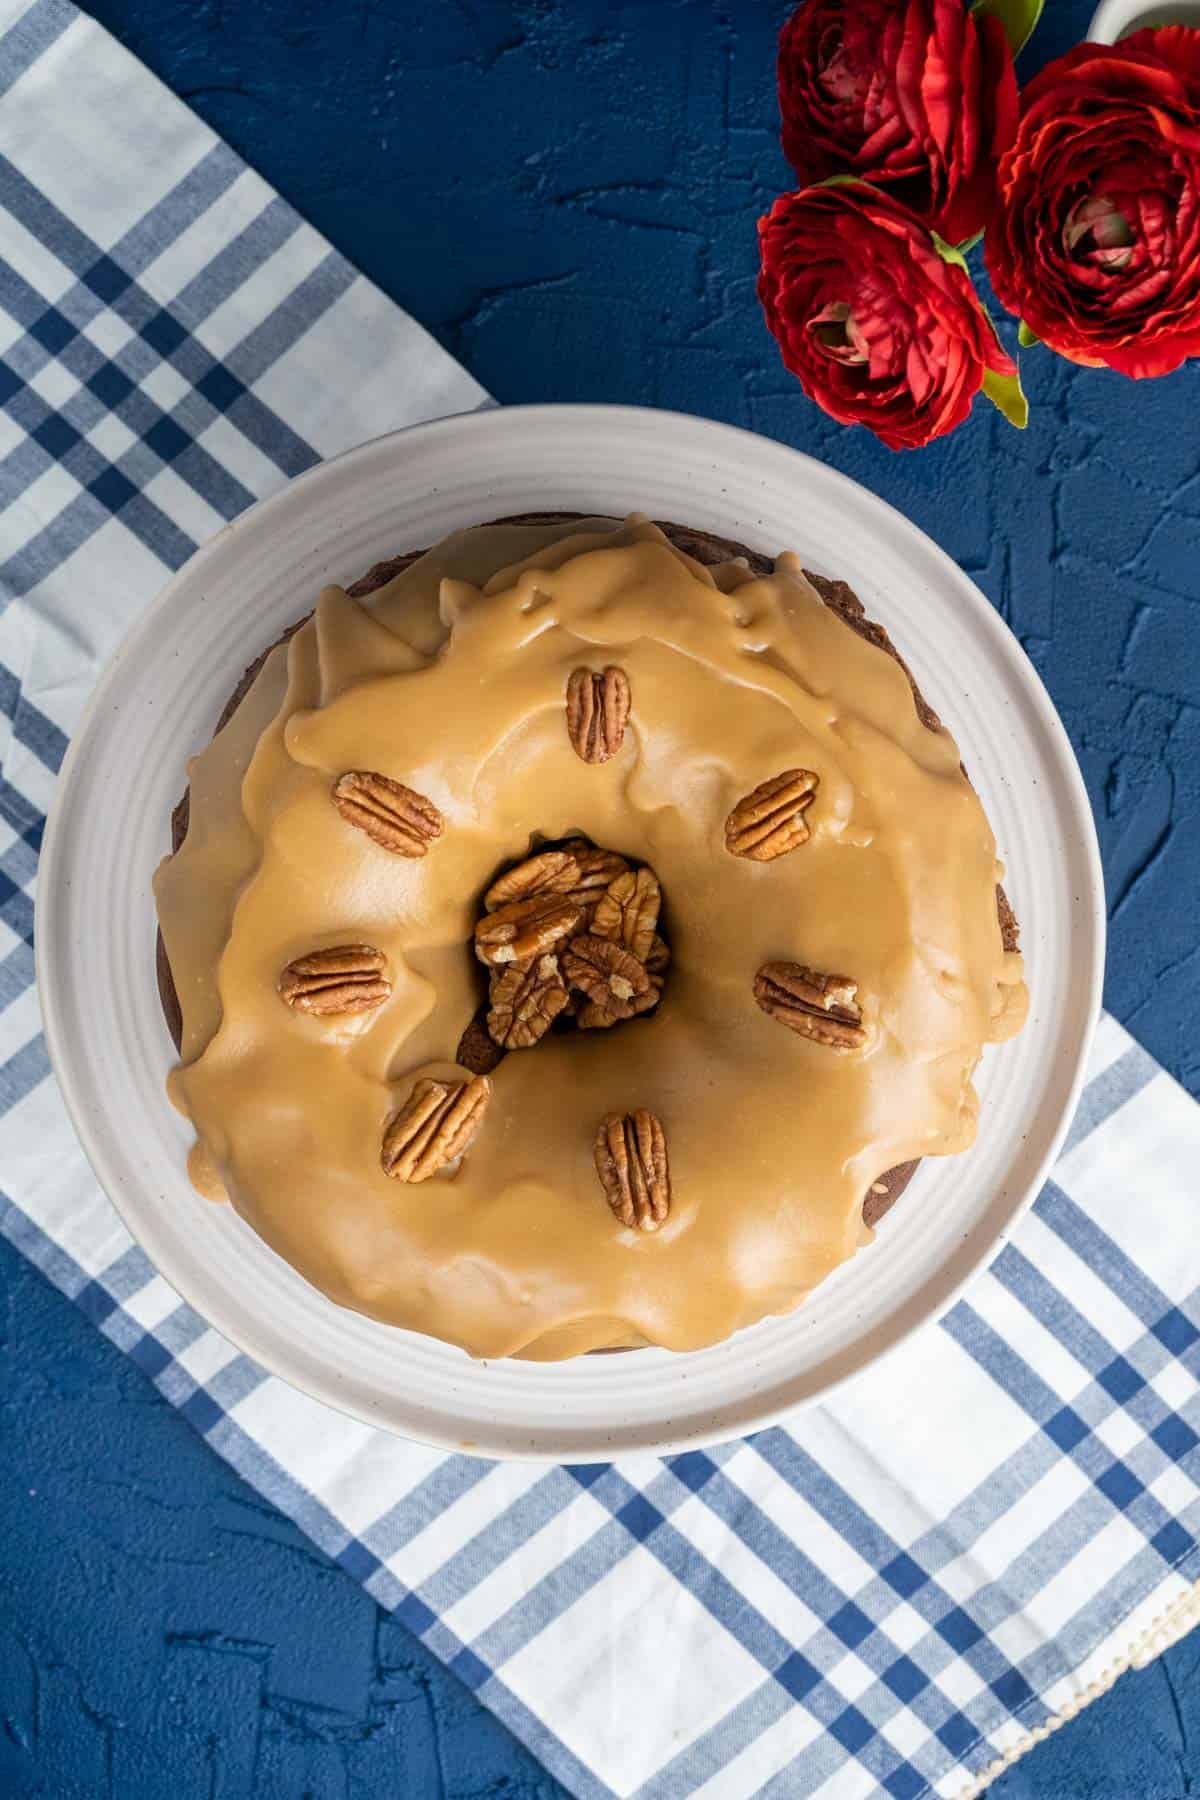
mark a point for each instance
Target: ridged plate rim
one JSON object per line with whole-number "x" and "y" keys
{"x": 95, "y": 963}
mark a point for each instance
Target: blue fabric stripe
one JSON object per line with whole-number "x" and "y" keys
{"x": 235, "y": 261}
{"x": 287, "y": 323}
{"x": 1118, "y": 1374}
{"x": 1094, "y": 1246}
{"x": 703, "y": 1759}
{"x": 16, "y": 974}
{"x": 923, "y": 1592}
{"x": 40, "y": 1250}
{"x": 22, "y": 1072}
{"x": 426, "y": 1502}
{"x": 211, "y": 176}
{"x": 49, "y": 226}
{"x": 17, "y": 914}
{"x": 18, "y": 865}
{"x": 825, "y": 1703}
{"x": 816, "y": 1765}
{"x": 1002, "y": 1362}
{"x": 559, "y": 1589}
{"x": 79, "y": 520}
{"x": 1109, "y": 1475}
{"x": 760, "y": 1534}
{"x": 224, "y": 389}
{"x": 503, "y": 1536}
{"x": 636, "y": 1516}
{"x": 1132, "y": 1071}
{"x": 31, "y": 36}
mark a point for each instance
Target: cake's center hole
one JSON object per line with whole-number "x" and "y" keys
{"x": 568, "y": 939}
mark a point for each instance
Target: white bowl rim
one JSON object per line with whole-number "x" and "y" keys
{"x": 1115, "y": 19}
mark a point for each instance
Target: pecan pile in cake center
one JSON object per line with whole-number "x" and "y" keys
{"x": 570, "y": 939}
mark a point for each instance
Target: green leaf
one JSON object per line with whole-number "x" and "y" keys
{"x": 1006, "y": 393}
{"x": 1025, "y": 337}
{"x": 950, "y": 253}
{"x": 1018, "y": 17}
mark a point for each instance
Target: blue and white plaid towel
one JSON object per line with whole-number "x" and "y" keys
{"x": 899, "y": 1595}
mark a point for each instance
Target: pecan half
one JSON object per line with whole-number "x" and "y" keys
{"x": 477, "y": 1050}
{"x": 395, "y": 816}
{"x": 551, "y": 872}
{"x": 596, "y": 869}
{"x": 597, "y": 712}
{"x": 821, "y": 1007}
{"x": 627, "y": 911}
{"x": 349, "y": 978}
{"x": 770, "y": 821}
{"x": 525, "y": 1003}
{"x": 525, "y": 928}
{"x": 613, "y": 980}
{"x": 435, "y": 1124}
{"x": 657, "y": 959}
{"x": 631, "y": 1161}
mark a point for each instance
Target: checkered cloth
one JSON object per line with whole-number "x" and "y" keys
{"x": 900, "y": 1592}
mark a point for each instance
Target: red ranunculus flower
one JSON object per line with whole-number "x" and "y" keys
{"x": 916, "y": 96}
{"x": 1096, "y": 237}
{"x": 875, "y": 325}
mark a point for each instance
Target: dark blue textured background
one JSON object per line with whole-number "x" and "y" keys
{"x": 565, "y": 191}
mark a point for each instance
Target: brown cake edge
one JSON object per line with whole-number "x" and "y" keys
{"x": 704, "y": 547}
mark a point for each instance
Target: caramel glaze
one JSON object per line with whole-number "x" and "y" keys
{"x": 451, "y": 678}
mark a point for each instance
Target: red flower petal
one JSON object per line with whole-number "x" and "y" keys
{"x": 877, "y": 328}
{"x": 1108, "y": 134}
{"x": 915, "y": 96}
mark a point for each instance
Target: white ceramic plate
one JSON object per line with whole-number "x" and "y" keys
{"x": 159, "y": 702}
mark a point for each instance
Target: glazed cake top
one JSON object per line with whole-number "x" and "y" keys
{"x": 836, "y": 965}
